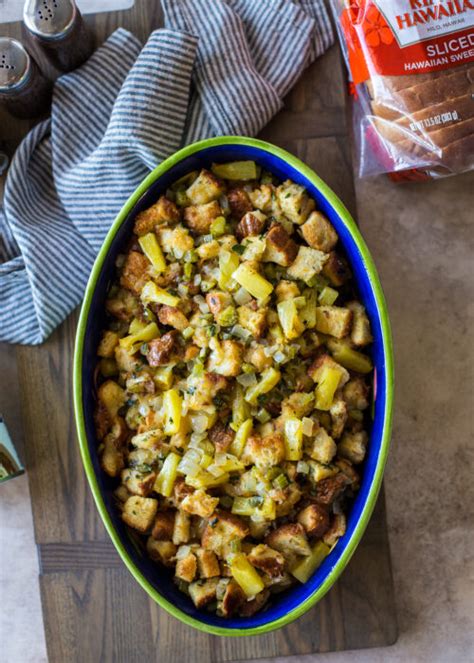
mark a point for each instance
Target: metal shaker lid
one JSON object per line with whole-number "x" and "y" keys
{"x": 15, "y": 65}
{"x": 49, "y": 19}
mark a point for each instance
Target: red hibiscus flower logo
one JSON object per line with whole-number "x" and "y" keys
{"x": 376, "y": 30}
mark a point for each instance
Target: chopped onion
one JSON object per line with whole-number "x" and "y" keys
{"x": 200, "y": 423}
{"x": 240, "y": 332}
{"x": 302, "y": 467}
{"x": 307, "y": 426}
{"x": 270, "y": 351}
{"x": 224, "y": 203}
{"x": 247, "y": 379}
{"x": 242, "y": 297}
{"x": 279, "y": 357}
{"x": 183, "y": 551}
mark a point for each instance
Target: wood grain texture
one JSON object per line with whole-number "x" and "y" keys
{"x": 94, "y": 610}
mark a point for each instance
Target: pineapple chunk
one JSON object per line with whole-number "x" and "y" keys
{"x": 166, "y": 478}
{"x": 293, "y": 435}
{"x": 305, "y": 568}
{"x": 172, "y": 404}
{"x": 236, "y": 170}
{"x": 147, "y": 333}
{"x": 289, "y": 320}
{"x": 153, "y": 252}
{"x": 246, "y": 575}
{"x": 248, "y": 277}
{"x": 238, "y": 443}
{"x": 327, "y": 385}
{"x": 270, "y": 378}
{"x": 151, "y": 293}
{"x": 228, "y": 263}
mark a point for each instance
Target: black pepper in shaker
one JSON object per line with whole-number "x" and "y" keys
{"x": 24, "y": 91}
{"x": 57, "y": 27}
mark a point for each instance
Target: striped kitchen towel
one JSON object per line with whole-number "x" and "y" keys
{"x": 219, "y": 67}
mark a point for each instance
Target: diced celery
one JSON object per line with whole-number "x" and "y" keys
{"x": 263, "y": 416}
{"x": 243, "y": 506}
{"x": 206, "y": 480}
{"x": 307, "y": 313}
{"x": 228, "y": 263}
{"x": 280, "y": 482}
{"x": 240, "y": 409}
{"x": 172, "y": 403}
{"x": 328, "y": 296}
{"x": 270, "y": 378}
{"x": 245, "y": 575}
{"x": 289, "y": 320}
{"x": 349, "y": 358}
{"x": 293, "y": 435}
{"x": 218, "y": 226}
{"x": 188, "y": 332}
{"x": 152, "y": 293}
{"x": 305, "y": 568}
{"x": 327, "y": 385}
{"x": 153, "y": 252}
{"x": 236, "y": 170}
{"x": 252, "y": 281}
{"x": 147, "y": 333}
{"x": 165, "y": 480}
{"x": 238, "y": 443}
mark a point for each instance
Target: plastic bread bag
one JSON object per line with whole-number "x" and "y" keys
{"x": 411, "y": 66}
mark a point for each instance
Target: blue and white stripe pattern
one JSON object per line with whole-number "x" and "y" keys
{"x": 219, "y": 67}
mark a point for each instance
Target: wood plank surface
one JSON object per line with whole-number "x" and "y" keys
{"x": 93, "y": 609}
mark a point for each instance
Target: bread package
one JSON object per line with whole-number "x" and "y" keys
{"x": 412, "y": 68}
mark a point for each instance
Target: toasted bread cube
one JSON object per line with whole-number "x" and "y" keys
{"x": 286, "y": 290}
{"x": 200, "y": 217}
{"x": 264, "y": 451}
{"x": 360, "y": 333}
{"x": 218, "y": 301}
{"x": 328, "y": 489}
{"x": 289, "y": 539}
{"x": 112, "y": 396}
{"x": 286, "y": 499}
{"x": 249, "y": 608}
{"x": 315, "y": 520}
{"x": 164, "y": 526}
{"x": 186, "y": 567}
{"x": 353, "y": 446}
{"x": 251, "y": 224}
{"x": 205, "y": 188}
{"x": 297, "y": 405}
{"x": 226, "y": 358}
{"x": 279, "y": 248}
{"x": 239, "y": 202}
{"x": 321, "y": 447}
{"x": 138, "y": 483}
{"x": 294, "y": 202}
{"x": 347, "y": 468}
{"x": 355, "y": 394}
{"x": 336, "y": 269}
{"x": 307, "y": 264}
{"x": 112, "y": 459}
{"x": 337, "y": 529}
{"x": 161, "y": 551}
{"x": 262, "y": 198}
{"x": 220, "y": 530}
{"x": 256, "y": 356}
{"x": 200, "y": 504}
{"x": 208, "y": 250}
{"x": 175, "y": 241}
{"x": 182, "y": 527}
{"x": 163, "y": 211}
{"x": 173, "y": 317}
{"x": 134, "y": 272}
{"x": 208, "y": 566}
{"x": 123, "y": 306}
{"x": 317, "y": 369}
{"x": 139, "y": 512}
{"x": 267, "y": 560}
{"x": 203, "y": 593}
{"x": 319, "y": 233}
{"x": 333, "y": 320}
{"x": 254, "y": 321}
{"x": 338, "y": 412}
{"x": 233, "y": 599}
{"x": 108, "y": 344}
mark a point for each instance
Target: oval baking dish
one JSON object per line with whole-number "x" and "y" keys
{"x": 157, "y": 581}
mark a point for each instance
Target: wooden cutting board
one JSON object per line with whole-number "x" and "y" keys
{"x": 93, "y": 609}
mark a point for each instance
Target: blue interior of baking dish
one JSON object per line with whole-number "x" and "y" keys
{"x": 161, "y": 578}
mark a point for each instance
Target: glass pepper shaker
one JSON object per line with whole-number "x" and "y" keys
{"x": 24, "y": 91}
{"x": 57, "y": 27}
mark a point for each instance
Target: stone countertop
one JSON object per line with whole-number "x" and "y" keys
{"x": 422, "y": 239}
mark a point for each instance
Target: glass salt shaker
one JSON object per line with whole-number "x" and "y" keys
{"x": 24, "y": 91}
{"x": 57, "y": 27}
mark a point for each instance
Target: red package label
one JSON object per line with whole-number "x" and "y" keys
{"x": 399, "y": 37}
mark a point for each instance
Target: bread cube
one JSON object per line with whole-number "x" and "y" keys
{"x": 319, "y": 233}
{"x": 360, "y": 332}
{"x": 315, "y": 520}
{"x": 289, "y": 539}
{"x": 205, "y": 188}
{"x": 163, "y": 526}
{"x": 161, "y": 551}
{"x": 163, "y": 211}
{"x": 307, "y": 264}
{"x": 200, "y": 217}
{"x": 333, "y": 320}
{"x": 353, "y": 446}
{"x": 254, "y": 321}
{"x": 294, "y": 202}
{"x": 203, "y": 593}
{"x": 279, "y": 247}
{"x": 208, "y": 566}
{"x": 139, "y": 512}
{"x": 186, "y": 567}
